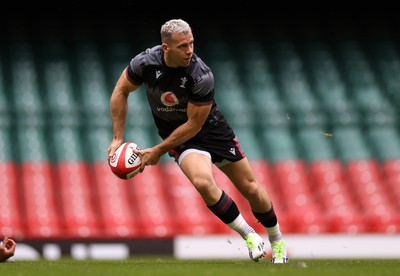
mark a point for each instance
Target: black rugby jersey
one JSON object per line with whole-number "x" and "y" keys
{"x": 169, "y": 90}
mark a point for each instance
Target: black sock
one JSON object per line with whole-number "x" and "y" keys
{"x": 226, "y": 209}
{"x": 267, "y": 219}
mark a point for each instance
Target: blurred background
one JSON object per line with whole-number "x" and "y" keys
{"x": 313, "y": 97}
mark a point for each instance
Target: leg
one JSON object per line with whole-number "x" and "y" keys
{"x": 242, "y": 176}
{"x": 198, "y": 168}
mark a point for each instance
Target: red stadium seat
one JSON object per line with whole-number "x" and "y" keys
{"x": 339, "y": 205}
{"x": 367, "y": 182}
{"x": 264, "y": 174}
{"x": 76, "y": 198}
{"x": 38, "y": 194}
{"x": 10, "y": 212}
{"x": 307, "y": 220}
{"x": 116, "y": 208}
{"x": 347, "y": 221}
{"x": 385, "y": 222}
{"x": 292, "y": 178}
{"x": 391, "y": 177}
{"x": 304, "y": 211}
{"x": 153, "y": 206}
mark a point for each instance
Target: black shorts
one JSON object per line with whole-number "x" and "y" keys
{"x": 219, "y": 141}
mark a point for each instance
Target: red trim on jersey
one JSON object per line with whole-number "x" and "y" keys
{"x": 238, "y": 146}
{"x": 201, "y": 103}
{"x": 175, "y": 153}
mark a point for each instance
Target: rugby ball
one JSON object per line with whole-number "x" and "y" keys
{"x": 125, "y": 163}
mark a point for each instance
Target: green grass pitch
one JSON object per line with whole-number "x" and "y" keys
{"x": 169, "y": 266}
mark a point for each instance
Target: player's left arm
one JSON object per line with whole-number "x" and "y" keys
{"x": 197, "y": 115}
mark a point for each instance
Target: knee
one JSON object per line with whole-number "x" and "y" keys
{"x": 203, "y": 184}
{"x": 253, "y": 190}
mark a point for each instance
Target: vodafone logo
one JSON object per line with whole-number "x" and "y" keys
{"x": 169, "y": 99}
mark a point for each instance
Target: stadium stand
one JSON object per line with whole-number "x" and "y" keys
{"x": 11, "y": 211}
{"x": 318, "y": 118}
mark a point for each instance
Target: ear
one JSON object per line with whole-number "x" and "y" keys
{"x": 164, "y": 46}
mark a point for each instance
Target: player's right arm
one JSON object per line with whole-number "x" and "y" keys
{"x": 119, "y": 110}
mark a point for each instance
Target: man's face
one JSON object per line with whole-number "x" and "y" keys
{"x": 179, "y": 51}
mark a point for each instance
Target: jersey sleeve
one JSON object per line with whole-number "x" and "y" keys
{"x": 134, "y": 72}
{"x": 203, "y": 89}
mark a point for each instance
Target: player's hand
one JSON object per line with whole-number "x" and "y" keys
{"x": 149, "y": 156}
{"x": 113, "y": 147}
{"x": 7, "y": 249}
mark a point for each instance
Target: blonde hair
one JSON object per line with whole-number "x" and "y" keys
{"x": 174, "y": 26}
